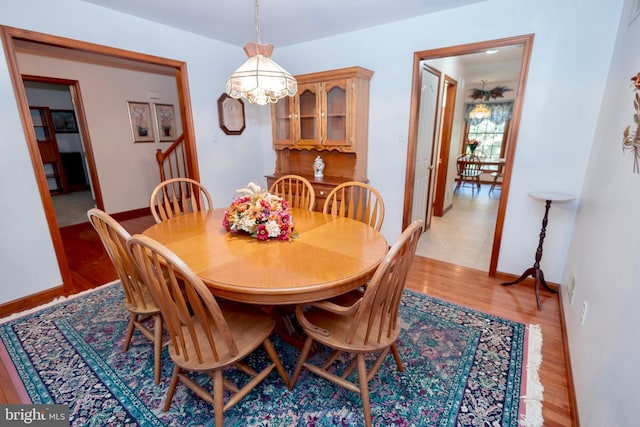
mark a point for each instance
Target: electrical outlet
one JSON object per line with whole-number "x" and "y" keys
{"x": 583, "y": 315}
{"x": 572, "y": 289}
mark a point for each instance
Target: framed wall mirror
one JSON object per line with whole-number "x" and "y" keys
{"x": 231, "y": 115}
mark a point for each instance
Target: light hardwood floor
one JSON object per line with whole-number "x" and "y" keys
{"x": 472, "y": 288}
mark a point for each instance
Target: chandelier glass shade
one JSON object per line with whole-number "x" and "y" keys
{"x": 480, "y": 112}
{"x": 260, "y": 80}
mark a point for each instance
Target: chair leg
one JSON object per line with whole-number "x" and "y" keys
{"x": 396, "y": 356}
{"x": 172, "y": 388}
{"x": 271, "y": 351}
{"x": 132, "y": 325}
{"x": 364, "y": 389}
{"x": 493, "y": 185}
{"x": 157, "y": 346}
{"x": 303, "y": 356}
{"x": 218, "y": 397}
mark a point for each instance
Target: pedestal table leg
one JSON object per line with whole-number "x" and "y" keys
{"x": 535, "y": 271}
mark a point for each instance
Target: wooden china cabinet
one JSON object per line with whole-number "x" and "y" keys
{"x": 328, "y": 117}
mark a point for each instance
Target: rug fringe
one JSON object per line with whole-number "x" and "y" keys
{"x": 53, "y": 302}
{"x": 534, "y": 394}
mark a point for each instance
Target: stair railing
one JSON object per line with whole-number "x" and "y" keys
{"x": 173, "y": 161}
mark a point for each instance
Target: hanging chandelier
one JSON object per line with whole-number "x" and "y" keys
{"x": 259, "y": 79}
{"x": 480, "y": 111}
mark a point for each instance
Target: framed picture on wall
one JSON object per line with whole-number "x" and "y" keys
{"x": 165, "y": 122}
{"x": 231, "y": 115}
{"x": 64, "y": 121}
{"x": 141, "y": 124}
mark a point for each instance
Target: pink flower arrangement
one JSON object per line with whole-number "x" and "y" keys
{"x": 262, "y": 215}
{"x": 473, "y": 144}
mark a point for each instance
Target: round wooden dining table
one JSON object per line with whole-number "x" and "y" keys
{"x": 330, "y": 256}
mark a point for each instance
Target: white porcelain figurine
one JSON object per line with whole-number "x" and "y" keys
{"x": 318, "y": 167}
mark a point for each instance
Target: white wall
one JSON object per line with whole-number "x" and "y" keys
{"x": 604, "y": 256}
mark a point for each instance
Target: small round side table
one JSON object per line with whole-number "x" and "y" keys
{"x": 536, "y": 271}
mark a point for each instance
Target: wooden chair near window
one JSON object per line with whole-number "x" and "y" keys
{"x": 177, "y": 196}
{"x": 296, "y": 190}
{"x": 469, "y": 172}
{"x": 368, "y": 326}
{"x": 356, "y": 200}
{"x": 138, "y": 300}
{"x": 497, "y": 180}
{"x": 207, "y": 336}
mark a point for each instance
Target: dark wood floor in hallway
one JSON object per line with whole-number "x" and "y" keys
{"x": 89, "y": 263}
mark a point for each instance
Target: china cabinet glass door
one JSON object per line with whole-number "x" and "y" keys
{"x": 283, "y": 119}
{"x": 336, "y": 117}
{"x": 308, "y": 118}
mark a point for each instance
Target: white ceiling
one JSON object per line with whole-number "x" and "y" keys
{"x": 499, "y": 67}
{"x": 282, "y": 22}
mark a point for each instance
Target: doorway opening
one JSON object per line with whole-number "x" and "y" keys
{"x": 61, "y": 145}
{"x": 442, "y": 174}
{"x": 83, "y": 52}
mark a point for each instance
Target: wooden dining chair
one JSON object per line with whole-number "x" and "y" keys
{"x": 296, "y": 190}
{"x": 496, "y": 180}
{"x": 356, "y": 200}
{"x": 177, "y": 196}
{"x": 469, "y": 172}
{"x": 205, "y": 336}
{"x": 368, "y": 326}
{"x": 137, "y": 299}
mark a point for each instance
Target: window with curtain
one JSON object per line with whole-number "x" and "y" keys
{"x": 491, "y": 132}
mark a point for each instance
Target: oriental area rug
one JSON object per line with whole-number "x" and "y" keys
{"x": 462, "y": 368}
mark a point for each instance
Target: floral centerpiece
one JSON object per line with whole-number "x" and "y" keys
{"x": 473, "y": 144}
{"x": 262, "y": 215}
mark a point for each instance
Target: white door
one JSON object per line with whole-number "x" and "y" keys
{"x": 427, "y": 133}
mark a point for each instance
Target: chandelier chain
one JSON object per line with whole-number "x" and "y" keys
{"x": 258, "y": 23}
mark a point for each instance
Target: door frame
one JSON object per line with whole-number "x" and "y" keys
{"x": 9, "y": 36}
{"x": 418, "y": 57}
{"x": 450, "y": 90}
{"x": 76, "y": 99}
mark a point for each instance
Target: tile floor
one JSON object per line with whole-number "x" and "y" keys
{"x": 463, "y": 235}
{"x": 71, "y": 208}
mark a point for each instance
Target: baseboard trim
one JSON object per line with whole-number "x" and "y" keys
{"x": 567, "y": 356}
{"x": 136, "y": 213}
{"x": 31, "y": 301}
